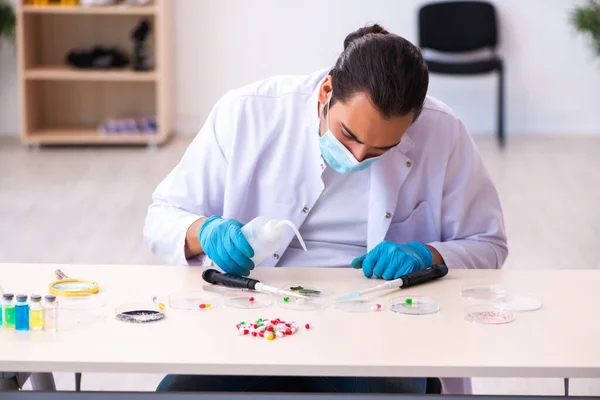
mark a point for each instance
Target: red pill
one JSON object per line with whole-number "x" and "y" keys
{"x": 288, "y": 332}
{"x": 254, "y": 334}
{"x": 246, "y": 331}
{"x": 262, "y": 334}
{"x": 238, "y": 326}
{"x": 270, "y": 328}
{"x": 251, "y": 299}
{"x": 202, "y": 305}
{"x": 307, "y": 326}
{"x": 255, "y": 326}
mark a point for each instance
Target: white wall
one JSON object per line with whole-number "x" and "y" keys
{"x": 553, "y": 79}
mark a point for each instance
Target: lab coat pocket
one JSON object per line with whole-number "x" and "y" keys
{"x": 419, "y": 226}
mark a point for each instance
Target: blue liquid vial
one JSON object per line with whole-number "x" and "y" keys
{"x": 22, "y": 313}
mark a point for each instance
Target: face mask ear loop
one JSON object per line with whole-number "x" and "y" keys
{"x": 328, "y": 102}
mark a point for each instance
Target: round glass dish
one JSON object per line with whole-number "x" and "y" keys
{"x": 414, "y": 305}
{"x": 307, "y": 289}
{"x": 139, "y": 313}
{"x": 248, "y": 301}
{"x": 360, "y": 305}
{"x": 75, "y": 311}
{"x": 518, "y": 303}
{"x": 224, "y": 290}
{"x": 298, "y": 304}
{"x": 483, "y": 292}
{"x": 193, "y": 301}
{"x": 487, "y": 314}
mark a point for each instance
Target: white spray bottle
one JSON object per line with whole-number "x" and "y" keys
{"x": 265, "y": 235}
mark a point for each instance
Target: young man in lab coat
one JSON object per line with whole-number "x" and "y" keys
{"x": 373, "y": 172}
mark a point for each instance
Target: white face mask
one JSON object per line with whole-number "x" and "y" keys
{"x": 337, "y": 155}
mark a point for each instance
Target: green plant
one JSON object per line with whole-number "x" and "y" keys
{"x": 7, "y": 21}
{"x": 586, "y": 20}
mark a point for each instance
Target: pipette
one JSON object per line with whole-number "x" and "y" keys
{"x": 218, "y": 278}
{"x": 415, "y": 278}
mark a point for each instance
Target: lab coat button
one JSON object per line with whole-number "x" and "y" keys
{"x": 305, "y": 210}
{"x": 409, "y": 164}
{"x": 388, "y": 215}
{"x": 276, "y": 256}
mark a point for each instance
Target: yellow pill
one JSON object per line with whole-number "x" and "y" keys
{"x": 270, "y": 336}
{"x": 207, "y": 305}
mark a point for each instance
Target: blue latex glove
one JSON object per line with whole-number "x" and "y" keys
{"x": 222, "y": 240}
{"x": 391, "y": 261}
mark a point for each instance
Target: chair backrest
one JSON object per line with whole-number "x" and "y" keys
{"x": 458, "y": 26}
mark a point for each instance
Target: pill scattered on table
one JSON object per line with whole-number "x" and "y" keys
{"x": 204, "y": 305}
{"x": 286, "y": 299}
{"x": 251, "y": 299}
{"x": 376, "y": 307}
{"x": 269, "y": 329}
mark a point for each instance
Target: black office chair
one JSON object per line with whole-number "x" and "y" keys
{"x": 455, "y": 27}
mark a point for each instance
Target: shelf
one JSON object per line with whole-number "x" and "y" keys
{"x": 97, "y": 10}
{"x": 64, "y": 73}
{"x": 88, "y": 136}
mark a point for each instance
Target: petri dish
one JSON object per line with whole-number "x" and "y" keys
{"x": 76, "y": 311}
{"x": 518, "y": 303}
{"x": 307, "y": 289}
{"x": 312, "y": 303}
{"x": 360, "y": 305}
{"x": 248, "y": 301}
{"x": 414, "y": 305}
{"x": 139, "y": 313}
{"x": 483, "y": 292}
{"x": 487, "y": 314}
{"x": 193, "y": 301}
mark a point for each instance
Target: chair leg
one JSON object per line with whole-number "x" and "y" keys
{"x": 78, "y": 382}
{"x": 500, "y": 132}
{"x": 43, "y": 382}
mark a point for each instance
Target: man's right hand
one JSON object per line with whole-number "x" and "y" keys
{"x": 223, "y": 242}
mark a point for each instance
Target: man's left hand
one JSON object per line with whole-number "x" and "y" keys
{"x": 391, "y": 261}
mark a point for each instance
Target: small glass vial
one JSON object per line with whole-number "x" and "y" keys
{"x": 36, "y": 313}
{"x": 22, "y": 313}
{"x": 50, "y": 313}
{"x": 8, "y": 311}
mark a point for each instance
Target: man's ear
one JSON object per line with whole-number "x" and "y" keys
{"x": 325, "y": 89}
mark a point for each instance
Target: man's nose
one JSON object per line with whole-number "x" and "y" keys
{"x": 359, "y": 151}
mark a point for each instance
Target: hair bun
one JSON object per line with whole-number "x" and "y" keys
{"x": 372, "y": 29}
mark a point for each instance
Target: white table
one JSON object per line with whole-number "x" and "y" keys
{"x": 560, "y": 340}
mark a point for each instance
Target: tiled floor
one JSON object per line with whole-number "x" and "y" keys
{"x": 74, "y": 205}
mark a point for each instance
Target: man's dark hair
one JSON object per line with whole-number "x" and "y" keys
{"x": 386, "y": 66}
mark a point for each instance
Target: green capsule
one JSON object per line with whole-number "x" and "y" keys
{"x": 286, "y": 299}
{"x": 408, "y": 301}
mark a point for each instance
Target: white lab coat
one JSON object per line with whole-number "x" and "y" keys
{"x": 258, "y": 155}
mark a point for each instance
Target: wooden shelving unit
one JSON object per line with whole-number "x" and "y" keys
{"x": 64, "y": 105}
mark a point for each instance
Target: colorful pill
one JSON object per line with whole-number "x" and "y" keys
{"x": 251, "y": 299}
{"x": 280, "y": 334}
{"x": 286, "y": 299}
{"x": 254, "y": 334}
{"x": 376, "y": 307}
{"x": 289, "y": 332}
{"x": 307, "y": 326}
{"x": 270, "y": 336}
{"x": 261, "y": 334}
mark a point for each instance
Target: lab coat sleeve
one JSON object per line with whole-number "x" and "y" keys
{"x": 472, "y": 225}
{"x": 193, "y": 189}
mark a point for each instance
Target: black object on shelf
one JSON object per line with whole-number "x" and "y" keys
{"x": 98, "y": 57}
{"x": 139, "y": 37}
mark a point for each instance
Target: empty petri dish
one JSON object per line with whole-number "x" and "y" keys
{"x": 518, "y": 303}
{"x": 307, "y": 289}
{"x": 193, "y": 301}
{"x": 312, "y": 303}
{"x": 360, "y": 305}
{"x": 487, "y": 314}
{"x": 414, "y": 305}
{"x": 139, "y": 313}
{"x": 77, "y": 311}
{"x": 484, "y": 292}
{"x": 248, "y": 301}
